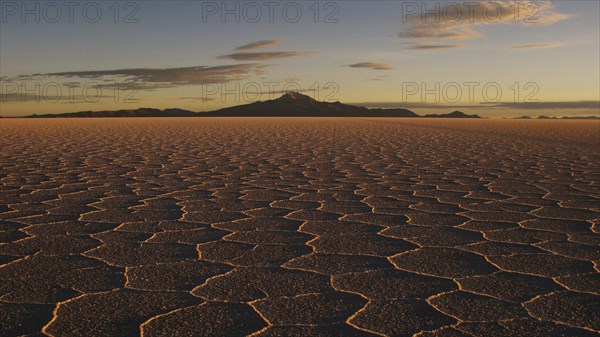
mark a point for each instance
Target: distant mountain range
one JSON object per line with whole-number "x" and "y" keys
{"x": 566, "y": 117}
{"x": 455, "y": 114}
{"x": 291, "y": 104}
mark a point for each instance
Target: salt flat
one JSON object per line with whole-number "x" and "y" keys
{"x": 299, "y": 227}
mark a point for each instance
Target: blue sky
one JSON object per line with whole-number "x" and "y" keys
{"x": 176, "y": 51}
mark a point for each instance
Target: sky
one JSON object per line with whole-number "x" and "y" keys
{"x": 494, "y": 58}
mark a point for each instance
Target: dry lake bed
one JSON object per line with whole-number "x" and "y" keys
{"x": 299, "y": 227}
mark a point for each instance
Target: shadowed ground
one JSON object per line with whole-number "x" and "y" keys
{"x": 299, "y": 227}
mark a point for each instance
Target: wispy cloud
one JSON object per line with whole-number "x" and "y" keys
{"x": 161, "y": 77}
{"x": 372, "y": 65}
{"x": 276, "y": 93}
{"x": 460, "y": 20}
{"x": 260, "y": 44}
{"x": 431, "y": 46}
{"x": 551, "y": 105}
{"x": 440, "y": 31}
{"x": 59, "y": 98}
{"x": 410, "y": 105}
{"x": 263, "y": 56}
{"x": 192, "y": 98}
{"x": 570, "y": 105}
{"x": 537, "y": 46}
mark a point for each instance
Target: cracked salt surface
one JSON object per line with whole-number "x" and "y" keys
{"x": 299, "y": 227}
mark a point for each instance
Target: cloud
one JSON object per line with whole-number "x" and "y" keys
{"x": 259, "y": 44}
{"x": 440, "y": 31}
{"x": 564, "y": 105}
{"x": 372, "y": 65}
{"x": 263, "y": 56}
{"x": 458, "y": 21}
{"x": 147, "y": 78}
{"x": 62, "y": 98}
{"x": 550, "y": 105}
{"x": 430, "y": 46}
{"x": 192, "y": 98}
{"x": 276, "y": 93}
{"x": 537, "y": 46}
{"x": 573, "y": 105}
{"x": 409, "y": 105}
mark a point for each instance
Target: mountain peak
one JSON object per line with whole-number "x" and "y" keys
{"x": 457, "y": 114}
{"x": 294, "y": 96}
{"x": 454, "y": 114}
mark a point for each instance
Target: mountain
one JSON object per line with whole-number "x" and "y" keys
{"x": 565, "y": 117}
{"x": 294, "y": 104}
{"x": 291, "y": 104}
{"x": 455, "y": 114}
{"x": 141, "y": 112}
{"x": 583, "y": 117}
